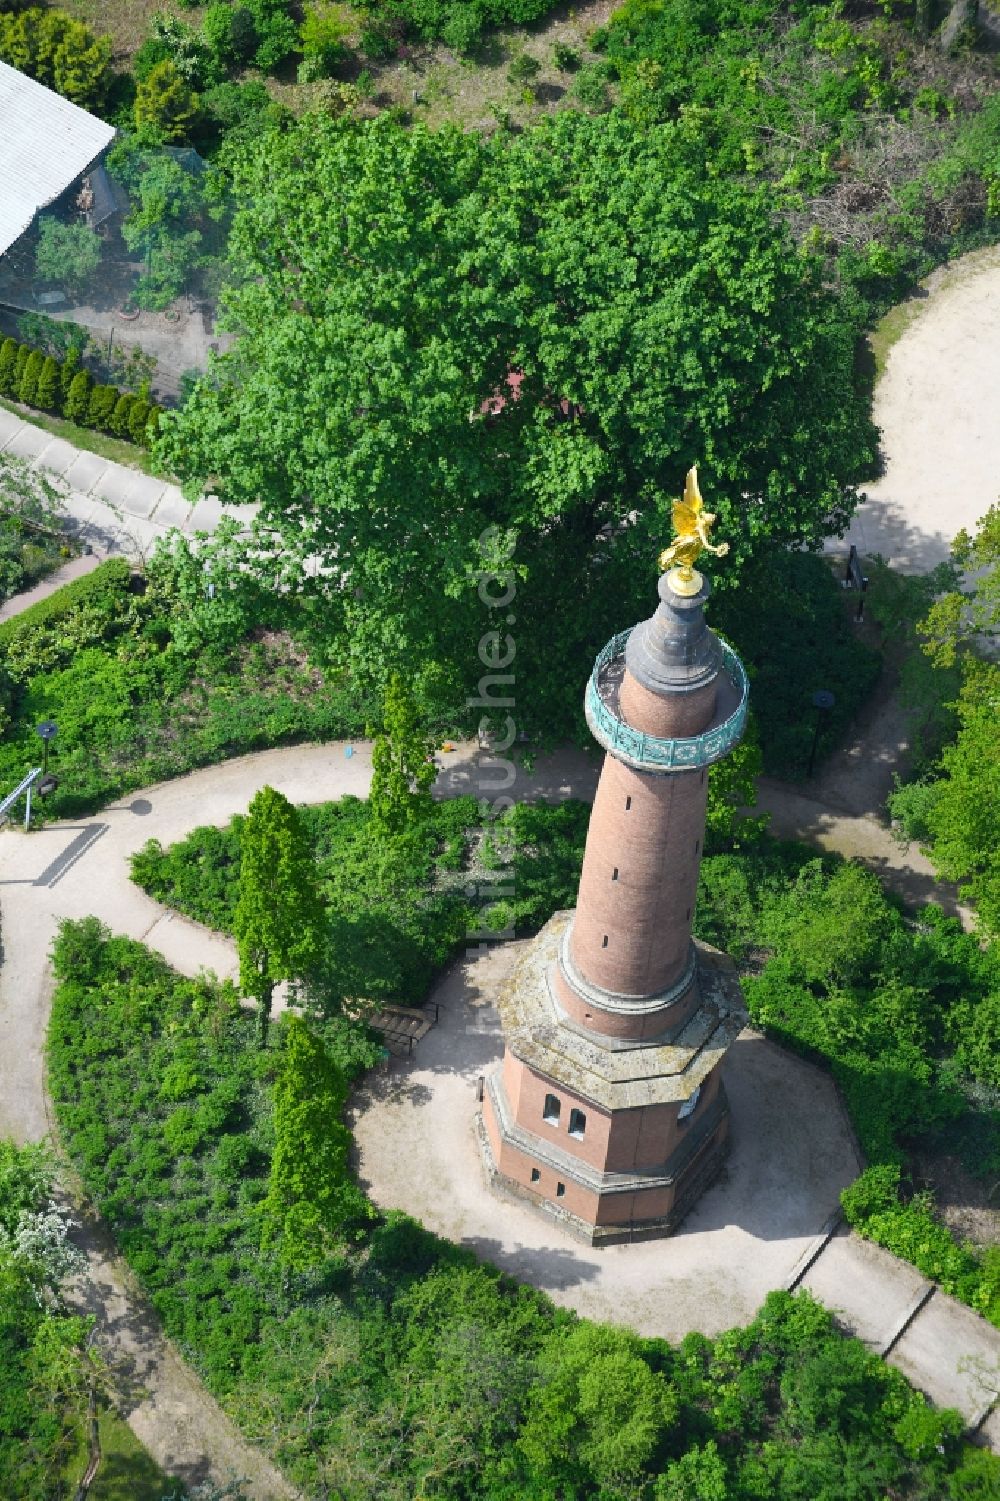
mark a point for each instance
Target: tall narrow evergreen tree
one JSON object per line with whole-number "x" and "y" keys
{"x": 403, "y": 769}
{"x": 280, "y": 920}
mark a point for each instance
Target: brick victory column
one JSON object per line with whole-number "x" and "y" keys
{"x": 609, "y": 1111}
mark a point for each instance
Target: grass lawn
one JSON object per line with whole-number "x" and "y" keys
{"x": 128, "y": 454}
{"x": 126, "y": 1472}
{"x": 127, "y": 22}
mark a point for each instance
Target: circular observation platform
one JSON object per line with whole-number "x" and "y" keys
{"x": 648, "y": 752}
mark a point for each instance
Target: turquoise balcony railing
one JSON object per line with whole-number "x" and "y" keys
{"x": 649, "y": 753}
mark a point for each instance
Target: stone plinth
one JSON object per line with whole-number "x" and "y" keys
{"x": 606, "y": 1138}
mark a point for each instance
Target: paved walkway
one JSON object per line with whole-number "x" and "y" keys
{"x": 769, "y": 1222}
{"x": 114, "y": 508}
{"x": 943, "y": 454}
{"x": 936, "y": 406}
{"x": 749, "y": 1234}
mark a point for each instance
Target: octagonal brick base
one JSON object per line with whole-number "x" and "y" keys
{"x": 599, "y": 1208}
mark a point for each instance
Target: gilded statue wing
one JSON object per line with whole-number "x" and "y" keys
{"x": 685, "y": 512}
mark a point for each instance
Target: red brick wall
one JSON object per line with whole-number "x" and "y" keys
{"x": 650, "y": 829}
{"x": 532, "y": 1089}
{"x": 638, "y": 1139}
{"x": 670, "y": 717}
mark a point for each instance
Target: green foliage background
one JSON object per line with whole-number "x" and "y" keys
{"x": 145, "y": 685}
{"x": 398, "y": 1365}
{"x": 904, "y": 1010}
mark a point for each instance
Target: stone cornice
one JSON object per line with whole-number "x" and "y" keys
{"x": 623, "y": 1078}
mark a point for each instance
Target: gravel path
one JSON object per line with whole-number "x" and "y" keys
{"x": 936, "y": 404}
{"x": 747, "y": 1236}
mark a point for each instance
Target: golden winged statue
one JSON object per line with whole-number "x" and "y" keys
{"x": 692, "y": 524}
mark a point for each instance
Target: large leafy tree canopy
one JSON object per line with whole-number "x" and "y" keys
{"x": 631, "y": 313}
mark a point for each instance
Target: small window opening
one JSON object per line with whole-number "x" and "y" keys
{"x": 551, "y": 1110}
{"x": 577, "y": 1123}
{"x": 687, "y": 915}
{"x": 690, "y": 1106}
{"x": 560, "y": 1190}
{"x": 614, "y": 874}
{"x": 628, "y": 804}
{"x": 604, "y": 941}
{"x": 697, "y": 845}
{"x": 535, "y": 1175}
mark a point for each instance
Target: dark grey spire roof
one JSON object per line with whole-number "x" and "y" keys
{"x": 674, "y": 651}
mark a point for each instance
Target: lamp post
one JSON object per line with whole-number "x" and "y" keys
{"x": 823, "y": 701}
{"x": 48, "y": 729}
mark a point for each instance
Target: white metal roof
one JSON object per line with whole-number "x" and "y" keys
{"x": 45, "y": 143}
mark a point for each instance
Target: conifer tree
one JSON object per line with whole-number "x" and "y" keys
{"x": 78, "y": 397}
{"x": 403, "y": 769}
{"x": 280, "y": 921}
{"x": 48, "y": 385}
{"x": 311, "y": 1192}
{"x": 8, "y": 359}
{"x": 28, "y": 389}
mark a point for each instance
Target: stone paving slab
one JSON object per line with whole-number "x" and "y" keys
{"x": 951, "y": 1354}
{"x": 143, "y": 495}
{"x": 57, "y": 456}
{"x": 85, "y": 473}
{"x": 28, "y": 442}
{"x": 114, "y": 484}
{"x": 870, "y": 1289}
{"x": 173, "y": 509}
{"x": 10, "y": 423}
{"x": 206, "y": 515}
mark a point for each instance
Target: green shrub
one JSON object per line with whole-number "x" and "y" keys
{"x": 323, "y": 36}
{"x": 590, "y": 88}
{"x": 138, "y": 420}
{"x": 100, "y": 408}
{"x": 524, "y": 69}
{"x": 243, "y": 37}
{"x": 47, "y": 396}
{"x": 565, "y": 57}
{"x": 28, "y": 389}
{"x": 23, "y": 355}
{"x": 217, "y": 34}
{"x": 103, "y": 592}
{"x": 8, "y": 360}
{"x": 119, "y": 423}
{"x": 68, "y": 371}
{"x": 463, "y": 29}
{"x": 277, "y": 33}
{"x": 377, "y": 40}
{"x": 78, "y": 397}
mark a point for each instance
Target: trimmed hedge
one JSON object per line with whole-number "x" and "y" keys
{"x": 103, "y": 589}
{"x": 29, "y": 376}
{"x": 875, "y": 1207}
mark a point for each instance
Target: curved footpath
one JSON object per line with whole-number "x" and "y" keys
{"x": 77, "y": 868}
{"x": 935, "y": 406}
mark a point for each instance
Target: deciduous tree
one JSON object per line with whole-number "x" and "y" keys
{"x": 67, "y": 253}
{"x": 513, "y": 347}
